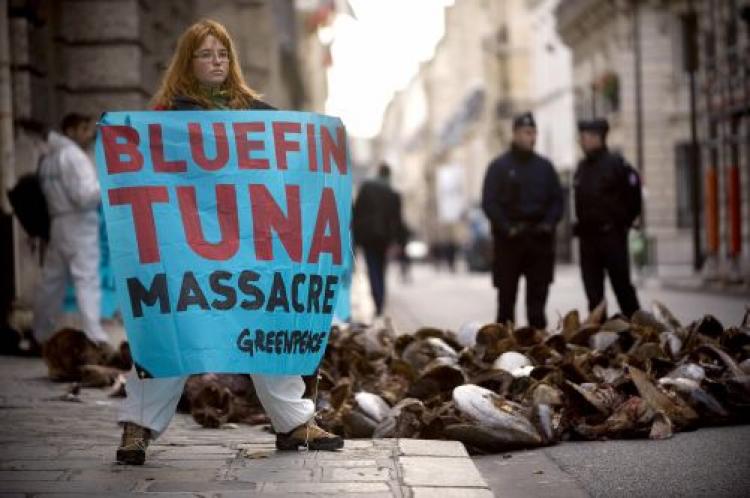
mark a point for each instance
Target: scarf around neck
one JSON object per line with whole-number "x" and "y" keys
{"x": 218, "y": 97}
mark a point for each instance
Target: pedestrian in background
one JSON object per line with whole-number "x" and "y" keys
{"x": 71, "y": 188}
{"x": 377, "y": 226}
{"x": 607, "y": 202}
{"x": 523, "y": 200}
{"x": 205, "y": 74}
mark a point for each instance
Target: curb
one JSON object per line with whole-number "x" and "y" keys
{"x": 430, "y": 468}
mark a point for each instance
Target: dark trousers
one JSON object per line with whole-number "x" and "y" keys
{"x": 608, "y": 252}
{"x": 375, "y": 257}
{"x": 530, "y": 255}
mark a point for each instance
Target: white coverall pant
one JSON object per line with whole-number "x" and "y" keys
{"x": 73, "y": 251}
{"x": 151, "y": 403}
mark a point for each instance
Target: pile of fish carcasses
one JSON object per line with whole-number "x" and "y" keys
{"x": 496, "y": 388}
{"x": 71, "y": 356}
{"x": 216, "y": 399}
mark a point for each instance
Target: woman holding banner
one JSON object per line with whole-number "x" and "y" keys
{"x": 205, "y": 74}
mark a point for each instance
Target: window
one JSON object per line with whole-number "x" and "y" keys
{"x": 609, "y": 87}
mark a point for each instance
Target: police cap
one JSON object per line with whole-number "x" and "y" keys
{"x": 597, "y": 125}
{"x": 525, "y": 119}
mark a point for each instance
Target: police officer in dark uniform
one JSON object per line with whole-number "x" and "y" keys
{"x": 523, "y": 200}
{"x": 607, "y": 201}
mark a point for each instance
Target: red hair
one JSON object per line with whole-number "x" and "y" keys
{"x": 179, "y": 80}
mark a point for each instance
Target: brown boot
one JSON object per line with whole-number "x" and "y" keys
{"x": 135, "y": 439}
{"x": 309, "y": 435}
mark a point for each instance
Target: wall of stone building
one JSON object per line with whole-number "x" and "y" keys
{"x": 552, "y": 88}
{"x": 517, "y": 23}
{"x": 721, "y": 84}
{"x": 602, "y": 41}
{"x": 249, "y": 25}
{"x": 79, "y": 56}
{"x": 481, "y": 57}
{"x": 501, "y": 60}
{"x": 411, "y": 159}
{"x": 665, "y": 125}
{"x": 402, "y": 143}
{"x": 265, "y": 33}
{"x": 457, "y": 65}
{"x": 414, "y": 190}
{"x": 473, "y": 157}
{"x": 85, "y": 56}
{"x": 313, "y": 59}
{"x": 111, "y": 54}
{"x": 551, "y": 97}
{"x": 388, "y": 142}
{"x": 456, "y": 70}
{"x": 92, "y": 56}
{"x": 477, "y": 157}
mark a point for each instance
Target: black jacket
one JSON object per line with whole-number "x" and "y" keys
{"x": 376, "y": 219}
{"x": 603, "y": 185}
{"x": 521, "y": 189}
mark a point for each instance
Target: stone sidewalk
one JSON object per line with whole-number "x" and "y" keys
{"x": 54, "y": 447}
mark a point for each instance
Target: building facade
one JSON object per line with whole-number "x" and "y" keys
{"x": 442, "y": 131}
{"x": 92, "y": 56}
{"x": 631, "y": 65}
{"x": 721, "y": 40}
{"x": 624, "y": 69}
{"x": 552, "y": 103}
{"x": 495, "y": 60}
{"x": 403, "y": 143}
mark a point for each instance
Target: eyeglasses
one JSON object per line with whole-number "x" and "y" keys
{"x": 208, "y": 55}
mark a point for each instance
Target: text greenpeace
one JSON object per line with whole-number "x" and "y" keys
{"x": 229, "y": 236}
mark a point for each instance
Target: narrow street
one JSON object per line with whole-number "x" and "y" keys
{"x": 448, "y": 300}
{"x": 706, "y": 462}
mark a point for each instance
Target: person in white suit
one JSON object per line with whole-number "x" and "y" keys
{"x": 71, "y": 188}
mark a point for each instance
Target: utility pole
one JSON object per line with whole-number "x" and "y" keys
{"x": 690, "y": 64}
{"x": 636, "y": 34}
{"x": 638, "y": 88}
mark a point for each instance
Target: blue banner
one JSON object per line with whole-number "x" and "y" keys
{"x": 108, "y": 306}
{"x": 343, "y": 311}
{"x": 229, "y": 236}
